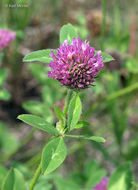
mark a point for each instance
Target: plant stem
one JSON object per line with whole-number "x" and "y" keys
{"x": 69, "y": 95}
{"x": 104, "y": 4}
{"x": 36, "y": 176}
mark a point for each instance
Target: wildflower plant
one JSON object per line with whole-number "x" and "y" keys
{"x": 75, "y": 64}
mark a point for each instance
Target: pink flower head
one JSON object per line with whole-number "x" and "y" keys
{"x": 5, "y": 38}
{"x": 75, "y": 65}
{"x": 102, "y": 185}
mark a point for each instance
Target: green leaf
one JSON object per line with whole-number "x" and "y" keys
{"x": 3, "y": 75}
{"x": 59, "y": 113}
{"x": 106, "y": 56}
{"x": 9, "y": 181}
{"x": 39, "y": 72}
{"x": 14, "y": 181}
{"x": 22, "y": 168}
{"x": 34, "y": 107}
{"x": 93, "y": 138}
{"x": 48, "y": 95}
{"x": 67, "y": 32}
{"x": 121, "y": 179}
{"x": 54, "y": 153}
{"x": 74, "y": 111}
{"x": 40, "y": 55}
{"x": 4, "y": 94}
{"x": 3, "y": 173}
{"x": 39, "y": 123}
{"x": 81, "y": 124}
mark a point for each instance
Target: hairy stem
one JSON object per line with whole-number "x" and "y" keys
{"x": 36, "y": 176}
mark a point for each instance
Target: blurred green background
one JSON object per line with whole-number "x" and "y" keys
{"x": 111, "y": 107}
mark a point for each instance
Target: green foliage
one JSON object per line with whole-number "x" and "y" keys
{"x": 20, "y": 17}
{"x": 93, "y": 174}
{"x": 118, "y": 38}
{"x": 81, "y": 124}
{"x": 81, "y": 26}
{"x": 65, "y": 184}
{"x": 39, "y": 123}
{"x": 34, "y": 107}
{"x": 59, "y": 113}
{"x": 43, "y": 108}
{"x": 85, "y": 178}
{"x": 98, "y": 88}
{"x": 3, "y": 76}
{"x": 107, "y": 94}
{"x": 3, "y": 173}
{"x": 131, "y": 65}
{"x": 67, "y": 32}
{"x": 54, "y": 153}
{"x": 14, "y": 181}
{"x": 10, "y": 144}
{"x": 122, "y": 178}
{"x": 93, "y": 138}
{"x": 40, "y": 55}
{"x": 112, "y": 85}
{"x": 75, "y": 109}
{"x": 20, "y": 166}
{"x": 107, "y": 57}
{"x": 4, "y": 94}
{"x": 39, "y": 108}
{"x": 130, "y": 151}
{"x": 48, "y": 96}
{"x": 43, "y": 184}
{"x": 39, "y": 72}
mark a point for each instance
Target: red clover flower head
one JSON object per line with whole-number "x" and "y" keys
{"x": 75, "y": 65}
{"x": 5, "y": 38}
{"x": 102, "y": 185}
